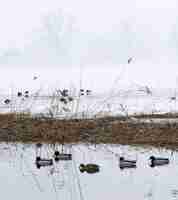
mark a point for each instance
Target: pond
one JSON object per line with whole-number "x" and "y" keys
{"x": 21, "y": 179}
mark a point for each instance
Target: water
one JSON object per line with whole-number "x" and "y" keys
{"x": 20, "y": 179}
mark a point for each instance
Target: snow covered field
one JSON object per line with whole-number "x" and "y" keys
{"x": 112, "y": 93}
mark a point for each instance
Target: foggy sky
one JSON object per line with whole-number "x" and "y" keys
{"x": 95, "y": 34}
{"x": 88, "y": 32}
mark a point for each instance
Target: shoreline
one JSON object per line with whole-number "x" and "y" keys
{"x": 114, "y": 130}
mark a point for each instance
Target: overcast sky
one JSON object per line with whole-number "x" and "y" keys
{"x": 92, "y": 33}
{"x": 101, "y": 30}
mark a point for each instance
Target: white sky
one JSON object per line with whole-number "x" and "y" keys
{"x": 22, "y": 17}
{"x": 105, "y": 33}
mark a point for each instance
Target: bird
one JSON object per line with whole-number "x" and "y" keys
{"x": 173, "y": 98}
{"x": 26, "y": 96}
{"x": 88, "y": 92}
{"x": 82, "y": 92}
{"x": 41, "y": 162}
{"x": 70, "y": 99}
{"x": 26, "y": 92}
{"x": 129, "y": 60}
{"x": 19, "y": 94}
{"x": 156, "y": 161}
{"x": 7, "y": 101}
{"x": 62, "y": 156}
{"x": 89, "y": 168}
{"x": 35, "y": 77}
{"x": 64, "y": 92}
{"x": 123, "y": 163}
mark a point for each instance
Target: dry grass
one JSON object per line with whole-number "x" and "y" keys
{"x": 160, "y": 116}
{"x": 23, "y": 128}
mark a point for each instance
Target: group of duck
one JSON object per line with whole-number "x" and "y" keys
{"x": 154, "y": 161}
{"x": 94, "y": 168}
{"x": 43, "y": 162}
{"x": 65, "y": 92}
{"x": 19, "y": 94}
{"x": 66, "y": 98}
{"x": 124, "y": 163}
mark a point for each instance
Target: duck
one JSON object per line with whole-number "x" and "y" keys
{"x": 19, "y": 94}
{"x": 88, "y": 92}
{"x": 41, "y": 162}
{"x": 62, "y": 156}
{"x": 127, "y": 163}
{"x": 26, "y": 92}
{"x": 7, "y": 101}
{"x": 35, "y": 77}
{"x": 89, "y": 168}
{"x": 129, "y": 60}
{"x": 156, "y": 161}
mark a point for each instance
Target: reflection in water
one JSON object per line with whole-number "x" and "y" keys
{"x": 149, "y": 194}
{"x": 32, "y": 171}
{"x": 174, "y": 194}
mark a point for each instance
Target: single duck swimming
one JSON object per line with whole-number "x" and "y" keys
{"x": 156, "y": 161}
{"x": 89, "y": 168}
{"x": 123, "y": 163}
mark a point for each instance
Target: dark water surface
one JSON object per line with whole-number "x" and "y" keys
{"x": 20, "y": 179}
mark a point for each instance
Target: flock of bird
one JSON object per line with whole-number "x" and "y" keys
{"x": 64, "y": 94}
{"x": 22, "y": 95}
{"x": 91, "y": 167}
{"x": 154, "y": 161}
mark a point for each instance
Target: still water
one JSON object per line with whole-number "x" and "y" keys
{"x": 21, "y": 179}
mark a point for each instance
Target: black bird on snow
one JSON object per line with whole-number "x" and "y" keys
{"x": 19, "y": 94}
{"x": 129, "y": 60}
{"x": 7, "y": 101}
{"x": 35, "y": 77}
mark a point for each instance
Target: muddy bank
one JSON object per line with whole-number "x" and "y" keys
{"x": 23, "y": 128}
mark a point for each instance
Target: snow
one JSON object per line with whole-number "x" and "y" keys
{"x": 113, "y": 93}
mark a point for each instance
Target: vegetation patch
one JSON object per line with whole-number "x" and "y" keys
{"x": 24, "y": 128}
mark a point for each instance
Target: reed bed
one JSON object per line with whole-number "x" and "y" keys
{"x": 117, "y": 130}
